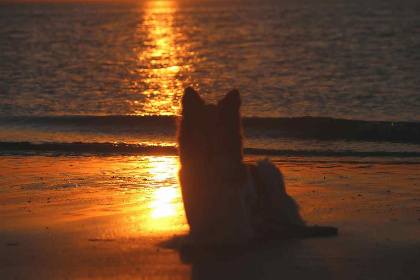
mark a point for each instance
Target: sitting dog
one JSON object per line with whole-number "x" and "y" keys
{"x": 227, "y": 201}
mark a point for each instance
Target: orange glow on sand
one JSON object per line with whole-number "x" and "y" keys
{"x": 163, "y": 201}
{"x": 143, "y": 199}
{"x": 97, "y": 215}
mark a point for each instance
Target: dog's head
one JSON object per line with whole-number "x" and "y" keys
{"x": 215, "y": 128}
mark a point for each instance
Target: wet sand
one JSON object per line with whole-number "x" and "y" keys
{"x": 122, "y": 218}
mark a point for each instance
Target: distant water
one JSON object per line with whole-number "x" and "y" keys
{"x": 315, "y": 76}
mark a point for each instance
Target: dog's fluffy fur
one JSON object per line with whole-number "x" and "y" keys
{"x": 225, "y": 200}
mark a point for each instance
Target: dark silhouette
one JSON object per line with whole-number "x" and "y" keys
{"x": 226, "y": 201}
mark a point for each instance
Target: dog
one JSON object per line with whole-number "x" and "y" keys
{"x": 227, "y": 201}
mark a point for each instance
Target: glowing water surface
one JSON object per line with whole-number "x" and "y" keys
{"x": 345, "y": 59}
{"x": 162, "y": 62}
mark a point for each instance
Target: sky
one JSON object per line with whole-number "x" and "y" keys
{"x": 122, "y": 1}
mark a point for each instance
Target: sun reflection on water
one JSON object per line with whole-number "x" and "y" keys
{"x": 166, "y": 195}
{"x": 162, "y": 62}
{"x": 163, "y": 203}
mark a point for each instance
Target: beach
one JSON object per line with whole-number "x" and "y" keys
{"x": 72, "y": 217}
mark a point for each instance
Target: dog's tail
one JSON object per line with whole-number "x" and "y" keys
{"x": 277, "y": 205}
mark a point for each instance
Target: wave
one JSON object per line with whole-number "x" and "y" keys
{"x": 88, "y": 148}
{"x": 322, "y": 128}
{"x": 79, "y": 148}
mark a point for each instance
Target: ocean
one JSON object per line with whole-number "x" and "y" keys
{"x": 317, "y": 78}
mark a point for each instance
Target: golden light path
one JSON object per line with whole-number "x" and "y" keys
{"x": 163, "y": 67}
{"x": 164, "y": 198}
{"x": 162, "y": 61}
{"x": 164, "y": 202}
{"x": 156, "y": 199}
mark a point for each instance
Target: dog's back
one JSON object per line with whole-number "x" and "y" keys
{"x": 212, "y": 172}
{"x": 220, "y": 192}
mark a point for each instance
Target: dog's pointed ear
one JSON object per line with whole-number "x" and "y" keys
{"x": 191, "y": 101}
{"x": 231, "y": 100}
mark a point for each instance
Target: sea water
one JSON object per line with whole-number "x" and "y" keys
{"x": 317, "y": 78}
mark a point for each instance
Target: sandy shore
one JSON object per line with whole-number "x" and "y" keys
{"x": 122, "y": 218}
